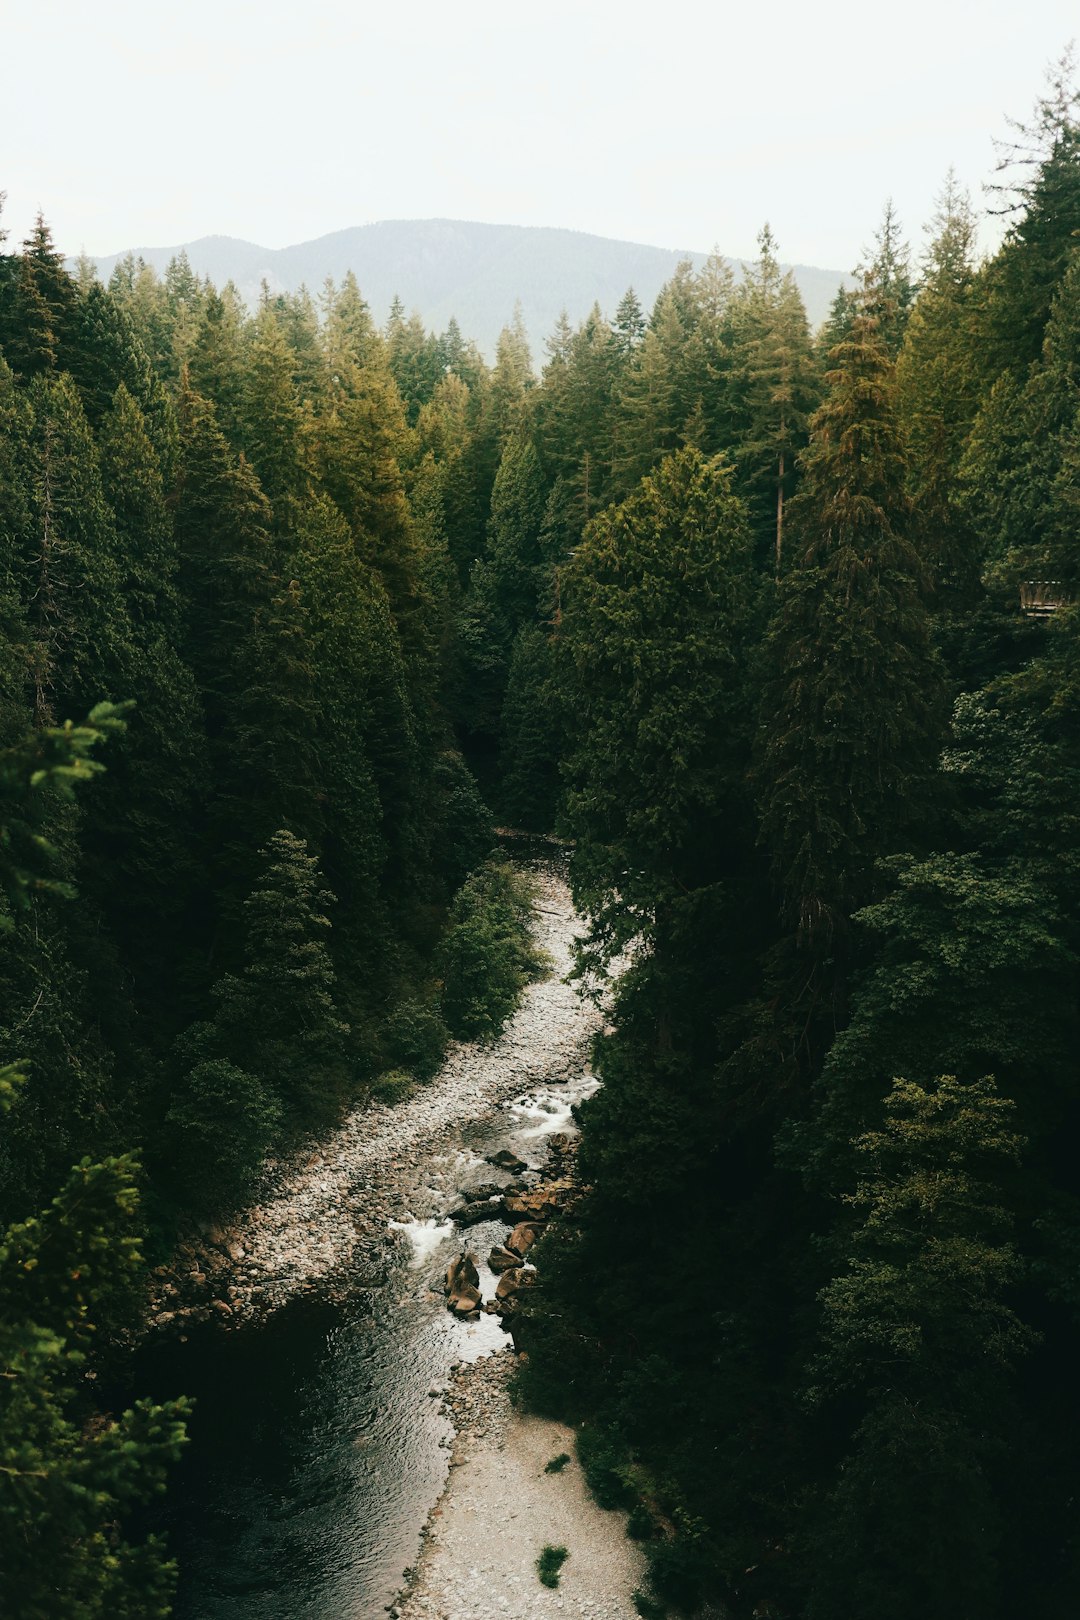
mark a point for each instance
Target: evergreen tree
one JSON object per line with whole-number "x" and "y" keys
{"x": 776, "y": 388}
{"x": 918, "y": 1332}
{"x": 245, "y": 642}
{"x": 937, "y": 398}
{"x": 657, "y": 605}
{"x": 852, "y": 706}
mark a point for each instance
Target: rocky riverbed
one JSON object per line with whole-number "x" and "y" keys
{"x": 324, "y": 1222}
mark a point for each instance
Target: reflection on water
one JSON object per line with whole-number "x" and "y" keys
{"x": 317, "y": 1447}
{"x": 316, "y": 1452}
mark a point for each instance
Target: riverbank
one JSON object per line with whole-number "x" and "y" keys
{"x": 501, "y": 1507}
{"x": 322, "y": 1223}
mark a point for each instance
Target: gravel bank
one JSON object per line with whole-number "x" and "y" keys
{"x": 500, "y": 1509}
{"x": 322, "y": 1224}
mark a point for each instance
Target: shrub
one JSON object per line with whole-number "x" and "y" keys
{"x": 557, "y": 1464}
{"x": 640, "y": 1526}
{"x": 415, "y": 1037}
{"x": 219, "y": 1127}
{"x": 487, "y": 955}
{"x": 647, "y": 1607}
{"x": 680, "y": 1570}
{"x": 393, "y": 1087}
{"x": 606, "y": 1468}
{"x": 549, "y": 1563}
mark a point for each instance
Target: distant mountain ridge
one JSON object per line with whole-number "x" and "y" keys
{"x": 457, "y": 268}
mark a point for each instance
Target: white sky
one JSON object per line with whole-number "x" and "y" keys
{"x": 141, "y": 123}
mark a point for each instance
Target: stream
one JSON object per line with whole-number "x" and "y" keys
{"x": 318, "y": 1445}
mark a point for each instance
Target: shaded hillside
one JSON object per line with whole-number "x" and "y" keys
{"x": 456, "y": 268}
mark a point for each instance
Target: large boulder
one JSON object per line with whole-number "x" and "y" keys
{"x": 522, "y": 1239}
{"x": 508, "y": 1283}
{"x": 539, "y": 1204}
{"x": 481, "y": 1209}
{"x": 501, "y": 1259}
{"x": 506, "y": 1160}
{"x": 483, "y": 1189}
{"x": 463, "y": 1285}
{"x": 512, "y": 1282}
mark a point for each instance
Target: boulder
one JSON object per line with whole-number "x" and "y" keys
{"x": 522, "y": 1239}
{"x": 462, "y": 1272}
{"x": 484, "y": 1209}
{"x": 501, "y": 1259}
{"x": 512, "y": 1282}
{"x": 484, "y": 1189}
{"x": 506, "y": 1160}
{"x": 463, "y": 1285}
{"x": 539, "y": 1204}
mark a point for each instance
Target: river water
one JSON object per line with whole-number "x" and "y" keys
{"x": 318, "y": 1447}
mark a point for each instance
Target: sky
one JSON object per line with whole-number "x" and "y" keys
{"x": 134, "y": 124}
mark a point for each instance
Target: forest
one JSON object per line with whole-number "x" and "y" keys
{"x": 777, "y": 630}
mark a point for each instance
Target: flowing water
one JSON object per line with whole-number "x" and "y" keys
{"x": 318, "y": 1447}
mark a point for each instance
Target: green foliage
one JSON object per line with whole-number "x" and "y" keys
{"x": 68, "y": 1477}
{"x": 415, "y": 1037}
{"x": 51, "y": 758}
{"x": 220, "y": 1124}
{"x": 550, "y": 1563}
{"x": 487, "y": 955}
{"x": 557, "y": 1464}
{"x": 659, "y": 601}
{"x": 852, "y": 711}
{"x": 605, "y": 1462}
{"x": 394, "y": 1087}
{"x": 648, "y": 1607}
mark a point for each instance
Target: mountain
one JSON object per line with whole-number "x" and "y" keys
{"x": 447, "y": 267}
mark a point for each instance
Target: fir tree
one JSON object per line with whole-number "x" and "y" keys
{"x": 852, "y": 711}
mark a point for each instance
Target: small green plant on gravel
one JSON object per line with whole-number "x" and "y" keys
{"x": 557, "y": 1464}
{"x": 393, "y": 1087}
{"x": 647, "y": 1607}
{"x": 549, "y": 1563}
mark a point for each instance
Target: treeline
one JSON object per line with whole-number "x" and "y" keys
{"x": 225, "y": 556}
{"x": 818, "y": 676}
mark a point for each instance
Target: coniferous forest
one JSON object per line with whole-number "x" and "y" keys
{"x": 778, "y": 630}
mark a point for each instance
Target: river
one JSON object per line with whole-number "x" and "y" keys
{"x": 318, "y": 1445}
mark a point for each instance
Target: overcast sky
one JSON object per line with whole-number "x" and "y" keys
{"x": 138, "y": 123}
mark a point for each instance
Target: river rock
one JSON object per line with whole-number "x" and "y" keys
{"x": 463, "y": 1285}
{"x": 486, "y": 1209}
{"x": 506, "y": 1160}
{"x": 522, "y": 1239}
{"x": 511, "y": 1282}
{"x": 538, "y": 1206}
{"x": 501, "y": 1259}
{"x": 486, "y": 1189}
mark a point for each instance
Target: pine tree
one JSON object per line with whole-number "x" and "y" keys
{"x": 657, "y": 604}
{"x": 918, "y": 1333}
{"x": 937, "y": 397}
{"x": 245, "y": 643}
{"x": 141, "y": 826}
{"x": 70, "y": 561}
{"x": 851, "y": 714}
{"x": 775, "y": 387}
{"x": 1018, "y": 286}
